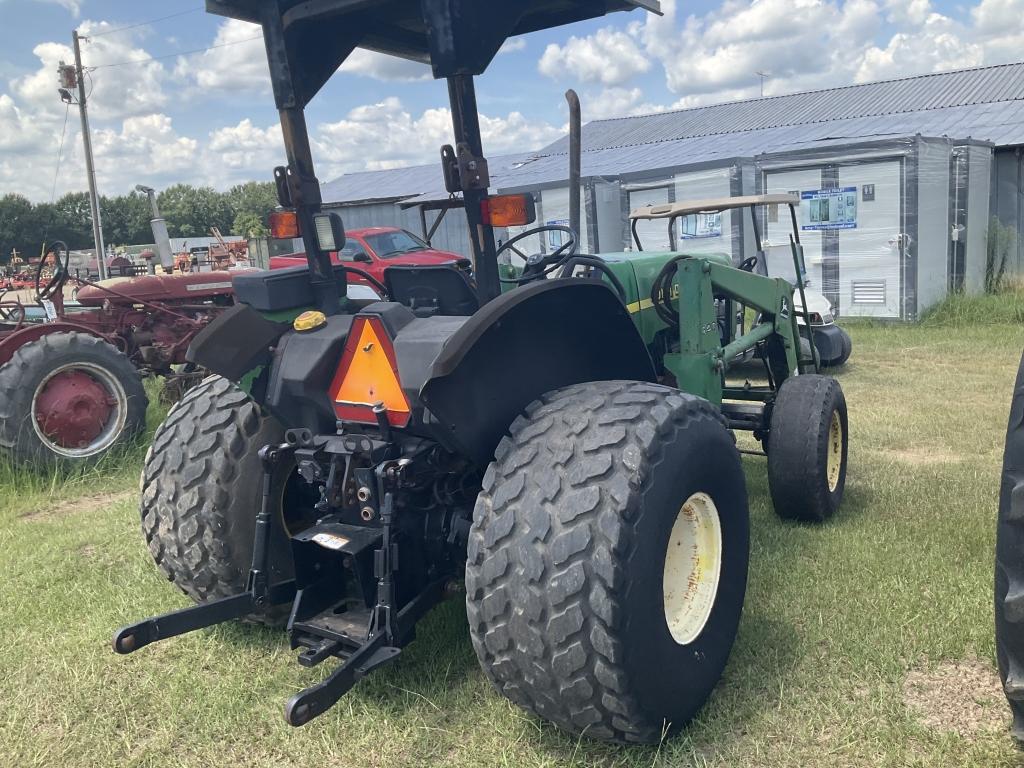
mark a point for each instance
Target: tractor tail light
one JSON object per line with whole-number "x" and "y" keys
{"x": 284, "y": 225}
{"x": 367, "y": 377}
{"x": 508, "y": 211}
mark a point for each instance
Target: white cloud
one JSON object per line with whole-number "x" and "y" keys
{"x": 609, "y": 57}
{"x": 939, "y": 45}
{"x": 383, "y": 67}
{"x": 235, "y": 62}
{"x": 512, "y": 45}
{"x": 146, "y": 149}
{"x": 387, "y": 135}
{"x": 245, "y": 150}
{"x": 115, "y": 92}
{"x": 616, "y": 102}
{"x": 812, "y": 44}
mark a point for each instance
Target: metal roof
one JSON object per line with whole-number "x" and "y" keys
{"x": 983, "y": 93}
{"x": 984, "y": 104}
{"x": 396, "y": 184}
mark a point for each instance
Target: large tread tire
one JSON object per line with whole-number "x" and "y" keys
{"x": 29, "y": 367}
{"x": 567, "y": 552}
{"x": 801, "y": 439}
{"x": 1009, "y": 570}
{"x": 202, "y": 488}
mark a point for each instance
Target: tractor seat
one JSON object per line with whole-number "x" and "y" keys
{"x": 436, "y": 289}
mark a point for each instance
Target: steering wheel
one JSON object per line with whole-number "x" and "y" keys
{"x": 539, "y": 265}
{"x": 60, "y": 271}
{"x": 749, "y": 264}
{"x": 11, "y": 312}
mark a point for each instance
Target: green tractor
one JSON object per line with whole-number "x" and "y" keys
{"x": 558, "y": 436}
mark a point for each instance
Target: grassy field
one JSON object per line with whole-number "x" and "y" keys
{"x": 865, "y": 642}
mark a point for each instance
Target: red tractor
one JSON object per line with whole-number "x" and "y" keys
{"x": 71, "y": 381}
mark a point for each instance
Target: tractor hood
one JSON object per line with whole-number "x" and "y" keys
{"x": 128, "y": 290}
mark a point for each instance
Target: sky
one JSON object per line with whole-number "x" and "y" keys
{"x": 183, "y": 96}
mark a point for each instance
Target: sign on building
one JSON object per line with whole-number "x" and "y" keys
{"x": 829, "y": 209}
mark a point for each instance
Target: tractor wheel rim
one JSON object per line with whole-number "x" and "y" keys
{"x": 835, "y": 452}
{"x": 79, "y": 410}
{"x": 693, "y": 568}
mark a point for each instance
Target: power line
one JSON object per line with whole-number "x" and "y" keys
{"x": 56, "y": 174}
{"x": 144, "y": 23}
{"x": 173, "y": 55}
{"x": 60, "y": 153}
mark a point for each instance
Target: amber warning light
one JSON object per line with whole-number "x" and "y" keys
{"x": 508, "y": 211}
{"x": 367, "y": 377}
{"x": 284, "y": 224}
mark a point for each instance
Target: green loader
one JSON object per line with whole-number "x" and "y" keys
{"x": 557, "y": 436}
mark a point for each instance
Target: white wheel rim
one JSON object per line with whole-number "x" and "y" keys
{"x": 111, "y": 430}
{"x": 693, "y": 568}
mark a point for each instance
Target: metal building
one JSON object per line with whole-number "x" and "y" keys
{"x": 900, "y": 182}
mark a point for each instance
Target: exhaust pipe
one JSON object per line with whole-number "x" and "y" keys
{"x": 575, "y": 154}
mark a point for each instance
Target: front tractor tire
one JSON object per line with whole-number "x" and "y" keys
{"x": 202, "y": 488}
{"x": 68, "y": 397}
{"x": 807, "y": 448}
{"x": 607, "y": 560}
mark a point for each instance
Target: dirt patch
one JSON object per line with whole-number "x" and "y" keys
{"x": 67, "y": 507}
{"x": 921, "y": 456}
{"x": 964, "y": 697}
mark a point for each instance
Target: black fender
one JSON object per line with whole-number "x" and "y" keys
{"x": 535, "y": 339}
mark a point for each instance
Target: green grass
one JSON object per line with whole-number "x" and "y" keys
{"x": 836, "y": 616}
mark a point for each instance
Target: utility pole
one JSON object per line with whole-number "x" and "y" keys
{"x": 69, "y": 78}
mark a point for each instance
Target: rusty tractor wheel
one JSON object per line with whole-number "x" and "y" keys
{"x": 68, "y": 397}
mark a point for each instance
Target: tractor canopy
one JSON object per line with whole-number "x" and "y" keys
{"x": 308, "y": 40}
{"x": 456, "y": 37}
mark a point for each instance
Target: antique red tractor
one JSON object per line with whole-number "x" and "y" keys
{"x": 71, "y": 376}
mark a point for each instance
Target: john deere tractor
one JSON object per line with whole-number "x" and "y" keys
{"x": 557, "y": 435}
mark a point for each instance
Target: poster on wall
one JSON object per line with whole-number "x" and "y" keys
{"x": 829, "y": 209}
{"x": 700, "y": 225}
{"x": 557, "y": 239}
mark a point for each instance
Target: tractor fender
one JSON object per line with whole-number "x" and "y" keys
{"x": 535, "y": 339}
{"x": 29, "y": 333}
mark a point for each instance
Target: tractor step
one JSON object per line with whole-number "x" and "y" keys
{"x": 341, "y": 628}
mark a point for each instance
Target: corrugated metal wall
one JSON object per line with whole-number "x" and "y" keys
{"x": 1008, "y": 199}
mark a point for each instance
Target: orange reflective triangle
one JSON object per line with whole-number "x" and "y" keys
{"x": 369, "y": 376}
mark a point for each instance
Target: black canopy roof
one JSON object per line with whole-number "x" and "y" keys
{"x": 454, "y": 36}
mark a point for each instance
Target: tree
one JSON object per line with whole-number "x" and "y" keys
{"x": 256, "y": 197}
{"x": 249, "y": 225}
{"x": 126, "y": 219}
{"x": 69, "y": 220}
{"x": 192, "y": 211}
{"x": 15, "y": 220}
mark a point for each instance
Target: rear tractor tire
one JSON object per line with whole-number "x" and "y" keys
{"x": 607, "y": 560}
{"x": 68, "y": 398}
{"x": 1009, "y": 570}
{"x": 202, "y": 489}
{"x": 807, "y": 448}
